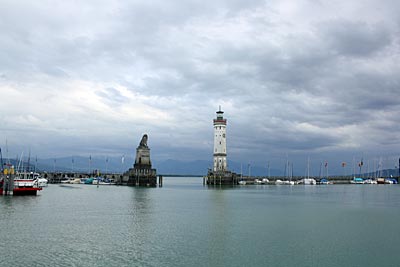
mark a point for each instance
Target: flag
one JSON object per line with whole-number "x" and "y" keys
{"x": 344, "y": 164}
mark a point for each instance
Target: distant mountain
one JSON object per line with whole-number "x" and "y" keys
{"x": 114, "y": 164}
{"x": 166, "y": 167}
{"x": 200, "y": 167}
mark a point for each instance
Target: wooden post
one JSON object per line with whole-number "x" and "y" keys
{"x": 160, "y": 181}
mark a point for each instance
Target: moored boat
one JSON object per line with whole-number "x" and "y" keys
{"x": 309, "y": 181}
{"x": 288, "y": 182}
{"x": 325, "y": 181}
{"x": 258, "y": 181}
{"x": 370, "y": 181}
{"x": 102, "y": 181}
{"x": 390, "y": 181}
{"x": 20, "y": 184}
{"x": 357, "y": 180}
{"x": 380, "y": 180}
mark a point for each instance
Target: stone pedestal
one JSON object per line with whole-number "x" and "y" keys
{"x": 221, "y": 178}
{"x": 142, "y": 160}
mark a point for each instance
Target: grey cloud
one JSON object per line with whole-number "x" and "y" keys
{"x": 185, "y": 59}
{"x": 352, "y": 38}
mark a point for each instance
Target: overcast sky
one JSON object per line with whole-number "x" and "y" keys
{"x": 296, "y": 79}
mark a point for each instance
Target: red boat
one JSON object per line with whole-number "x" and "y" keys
{"x": 20, "y": 185}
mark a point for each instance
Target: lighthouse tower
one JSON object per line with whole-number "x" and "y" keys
{"x": 220, "y": 163}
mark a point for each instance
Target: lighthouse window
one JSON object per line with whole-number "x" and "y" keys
{"x": 219, "y": 142}
{"x": 223, "y": 135}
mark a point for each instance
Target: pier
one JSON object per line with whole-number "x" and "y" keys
{"x": 297, "y": 179}
{"x": 117, "y": 178}
{"x": 220, "y": 179}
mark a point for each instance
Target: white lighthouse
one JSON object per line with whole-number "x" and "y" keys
{"x": 220, "y": 163}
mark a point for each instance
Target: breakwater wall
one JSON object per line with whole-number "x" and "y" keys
{"x": 57, "y": 177}
{"x": 117, "y": 178}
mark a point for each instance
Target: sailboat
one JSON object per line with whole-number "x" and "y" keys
{"x": 241, "y": 181}
{"x": 289, "y": 172}
{"x": 308, "y": 180}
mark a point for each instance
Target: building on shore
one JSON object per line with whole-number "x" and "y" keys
{"x": 220, "y": 175}
{"x": 142, "y": 173}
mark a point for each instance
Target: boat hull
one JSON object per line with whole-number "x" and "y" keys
{"x": 26, "y": 191}
{"x": 23, "y": 191}
{"x": 22, "y": 187}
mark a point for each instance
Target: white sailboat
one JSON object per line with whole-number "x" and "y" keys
{"x": 308, "y": 180}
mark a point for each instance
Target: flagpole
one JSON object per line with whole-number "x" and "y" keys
{"x": 122, "y": 162}
{"x": 90, "y": 164}
{"x": 106, "y": 165}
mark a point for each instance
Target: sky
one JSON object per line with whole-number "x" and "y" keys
{"x": 297, "y": 80}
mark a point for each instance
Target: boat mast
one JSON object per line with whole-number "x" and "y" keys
{"x": 320, "y": 170}
{"x": 326, "y": 165}
{"x": 35, "y": 164}
{"x": 291, "y": 171}
{"x": 29, "y": 161}
{"x": 1, "y": 161}
{"x": 19, "y": 168}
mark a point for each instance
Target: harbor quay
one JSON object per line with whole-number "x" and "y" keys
{"x": 210, "y": 179}
{"x": 220, "y": 179}
{"x": 58, "y": 177}
{"x": 142, "y": 179}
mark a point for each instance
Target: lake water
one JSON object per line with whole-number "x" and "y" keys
{"x": 187, "y": 224}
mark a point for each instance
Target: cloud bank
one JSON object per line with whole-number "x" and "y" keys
{"x": 310, "y": 78}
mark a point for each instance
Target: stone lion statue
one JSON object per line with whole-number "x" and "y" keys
{"x": 143, "y": 142}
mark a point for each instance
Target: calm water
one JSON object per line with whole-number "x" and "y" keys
{"x": 186, "y": 224}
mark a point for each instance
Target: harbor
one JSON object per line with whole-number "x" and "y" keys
{"x": 143, "y": 174}
{"x": 200, "y": 133}
{"x": 80, "y": 225}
